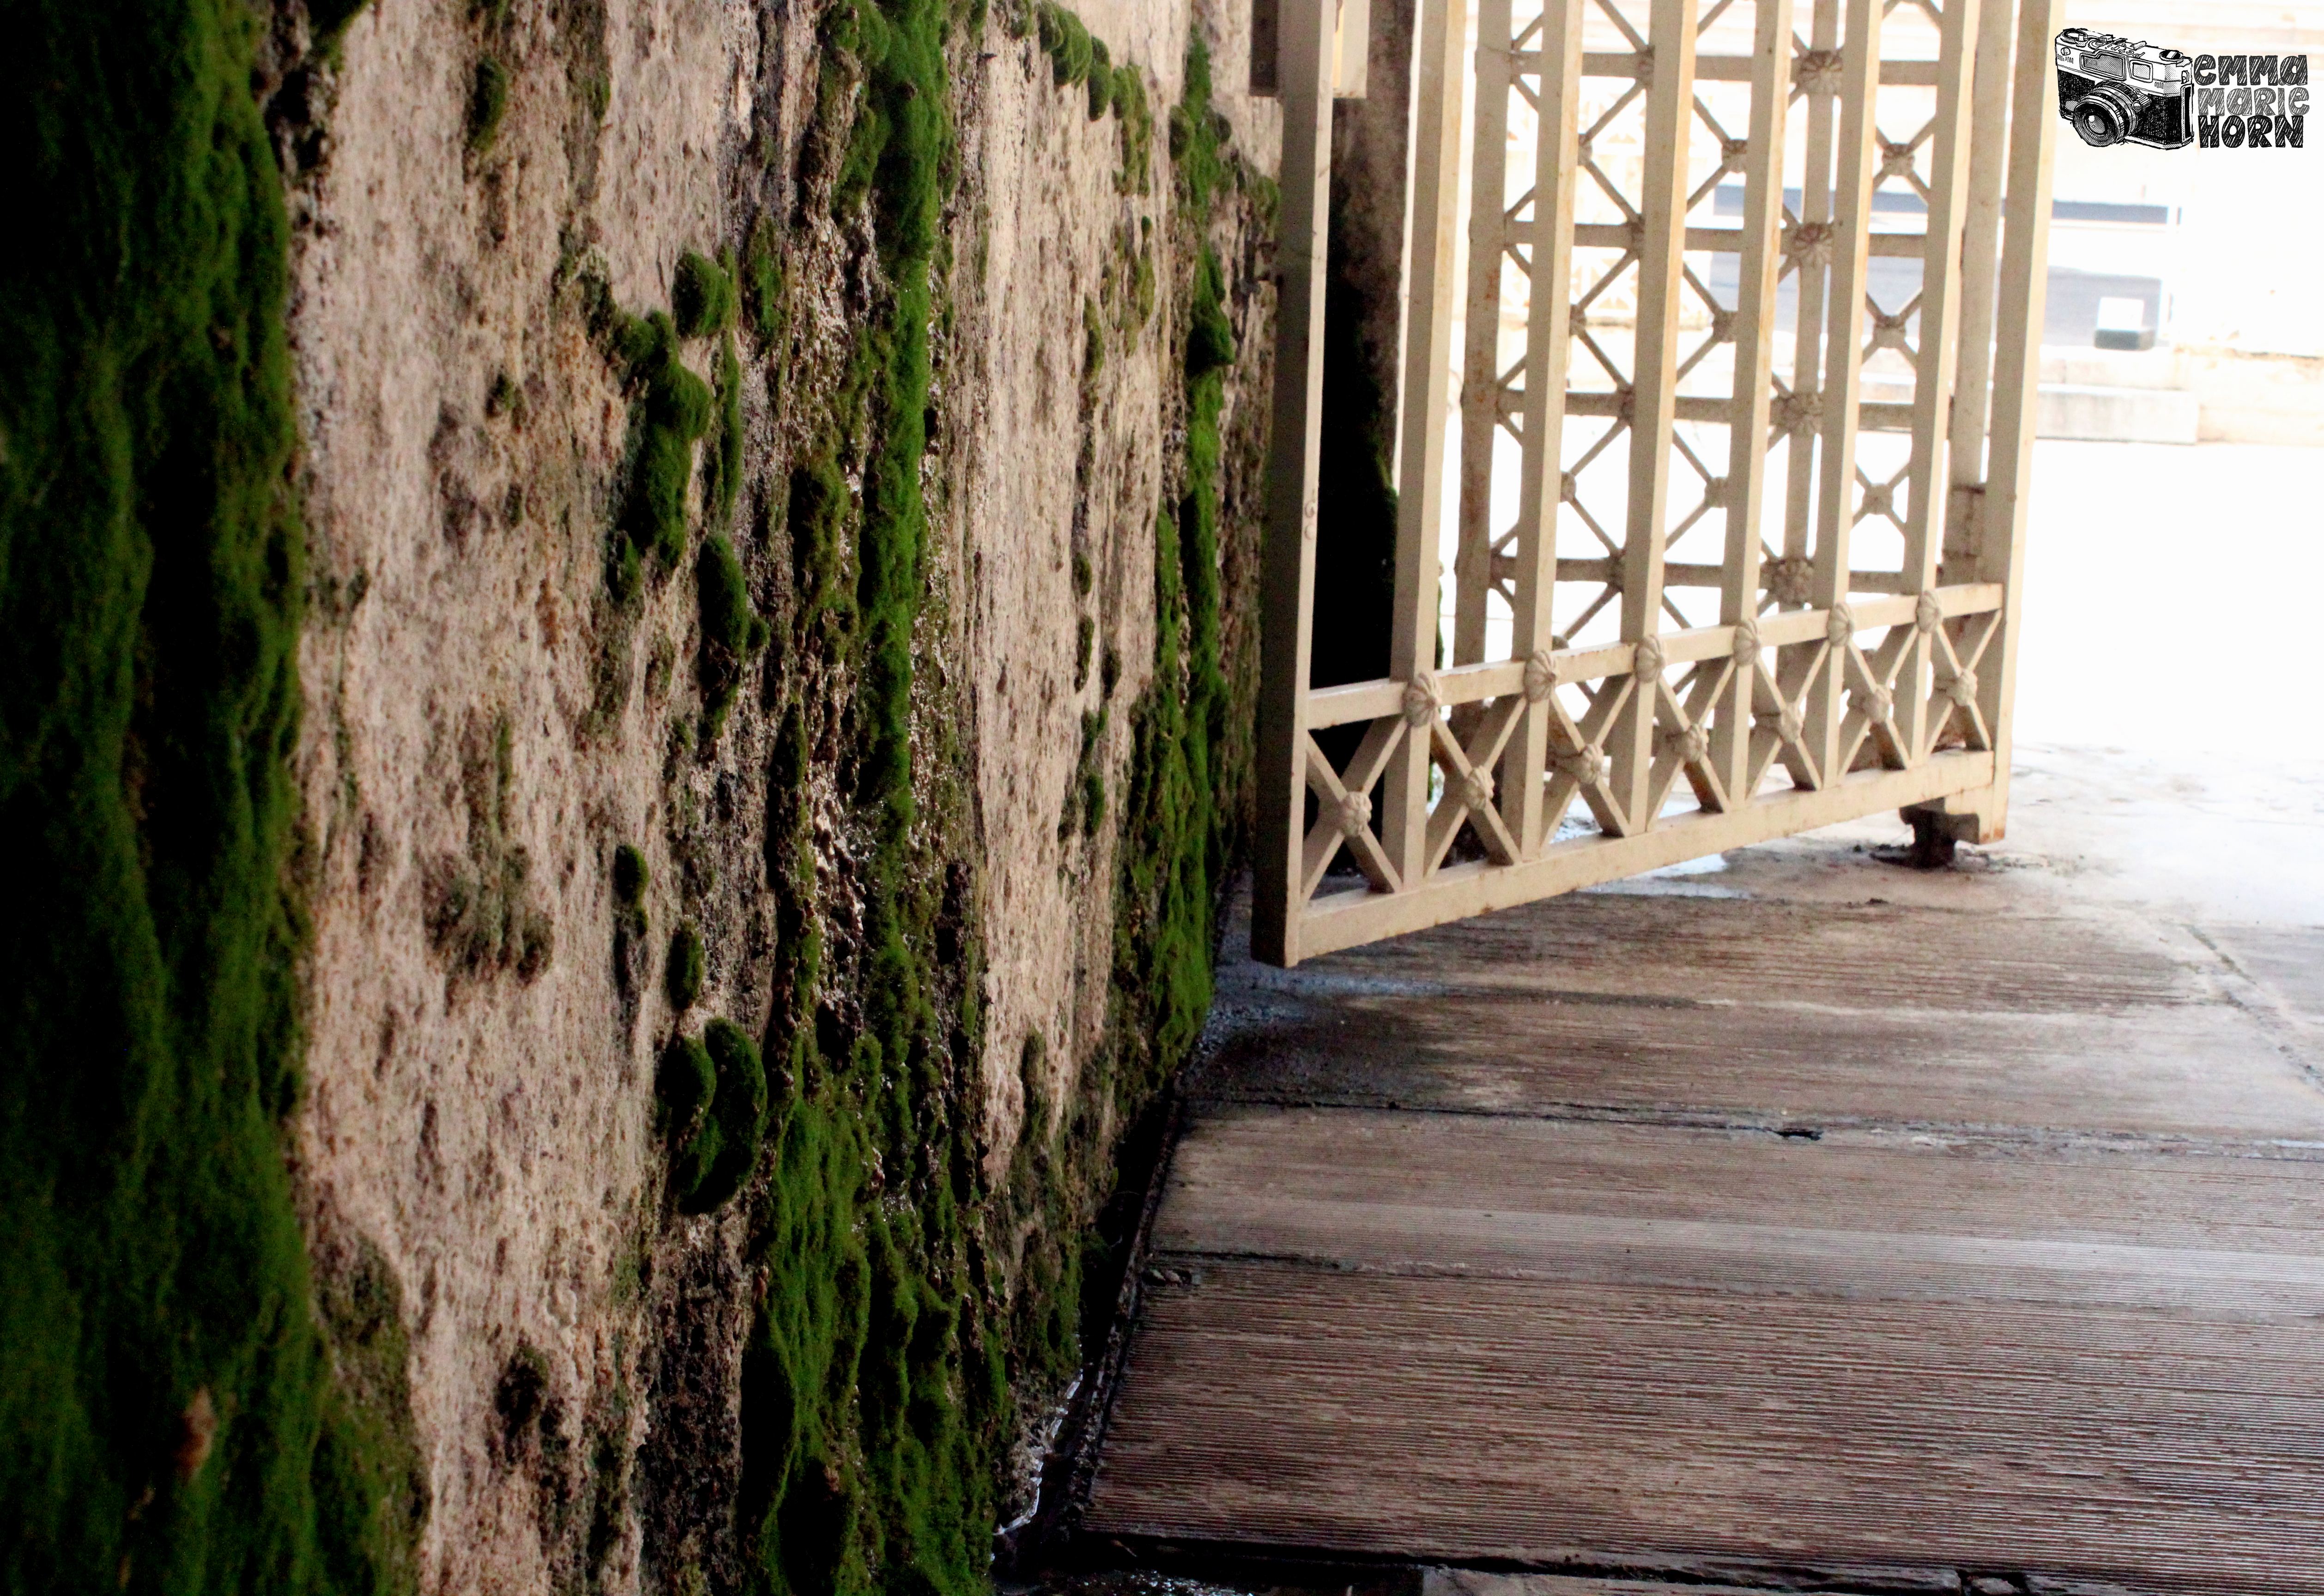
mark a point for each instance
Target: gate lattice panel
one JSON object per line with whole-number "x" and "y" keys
{"x": 1735, "y": 517}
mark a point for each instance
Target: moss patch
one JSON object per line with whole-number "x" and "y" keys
{"x": 1071, "y": 50}
{"x": 682, "y": 975}
{"x": 671, "y": 411}
{"x": 631, "y": 879}
{"x": 722, "y": 466}
{"x": 173, "y": 1415}
{"x": 899, "y": 1303}
{"x": 631, "y": 925}
{"x": 732, "y": 631}
{"x": 711, "y": 1101}
{"x": 701, "y": 296}
{"x": 383, "y": 1489}
{"x": 874, "y": 1386}
{"x": 762, "y": 280}
{"x": 488, "y": 96}
{"x": 1178, "y": 817}
{"x": 483, "y": 917}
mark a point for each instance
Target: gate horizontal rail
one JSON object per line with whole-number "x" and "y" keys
{"x": 1626, "y": 391}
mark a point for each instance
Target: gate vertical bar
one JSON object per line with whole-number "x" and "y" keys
{"x": 1929, "y": 474}
{"x": 1557, "y": 178}
{"x": 1980, "y": 256}
{"x": 1481, "y": 387}
{"x": 2018, "y": 374}
{"x": 1654, "y": 393}
{"x": 1807, "y": 253}
{"x": 1859, "y": 85}
{"x": 1807, "y": 327}
{"x": 1972, "y": 410}
{"x": 1307, "y": 49}
{"x": 1428, "y": 347}
{"x": 1761, "y": 264}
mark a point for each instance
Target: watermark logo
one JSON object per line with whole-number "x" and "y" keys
{"x": 2115, "y": 91}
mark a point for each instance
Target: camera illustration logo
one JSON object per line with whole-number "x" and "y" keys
{"x": 2115, "y": 91}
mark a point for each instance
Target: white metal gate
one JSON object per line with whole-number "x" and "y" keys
{"x": 1746, "y": 394}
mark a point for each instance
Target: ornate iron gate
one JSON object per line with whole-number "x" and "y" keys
{"x": 1746, "y": 277}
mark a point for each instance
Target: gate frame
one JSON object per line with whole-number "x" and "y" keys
{"x": 1952, "y": 608}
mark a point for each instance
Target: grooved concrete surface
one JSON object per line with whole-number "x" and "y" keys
{"x": 1810, "y": 1214}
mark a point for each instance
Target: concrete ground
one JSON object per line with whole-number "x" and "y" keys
{"x": 2171, "y": 712}
{"x": 1798, "y": 1220}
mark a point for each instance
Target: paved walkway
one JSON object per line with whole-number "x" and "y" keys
{"x": 1807, "y": 1214}
{"x": 1957, "y": 1231}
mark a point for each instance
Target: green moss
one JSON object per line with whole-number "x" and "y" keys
{"x": 1210, "y": 337}
{"x": 1141, "y": 289}
{"x": 1099, "y": 79}
{"x": 711, "y": 1101}
{"x": 329, "y": 20}
{"x": 686, "y": 1091}
{"x": 1084, "y": 811}
{"x": 1092, "y": 340}
{"x": 483, "y": 916}
{"x": 817, "y": 516}
{"x": 901, "y": 1300}
{"x": 1067, "y": 42}
{"x": 1177, "y": 819}
{"x": 682, "y": 975}
{"x": 684, "y": 1086}
{"x": 721, "y": 468}
{"x": 729, "y": 623}
{"x": 733, "y": 633}
{"x": 631, "y": 925}
{"x": 875, "y": 1390}
{"x": 488, "y": 94}
{"x": 174, "y": 1410}
{"x": 672, "y": 410}
{"x": 483, "y": 919}
{"x": 625, "y": 581}
{"x": 369, "y": 1442}
{"x": 631, "y": 878}
{"x": 1085, "y": 640}
{"x": 801, "y": 1367}
{"x": 608, "y": 1497}
{"x": 739, "y": 1110}
{"x": 762, "y": 283}
{"x": 1136, "y": 118}
{"x": 701, "y": 296}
